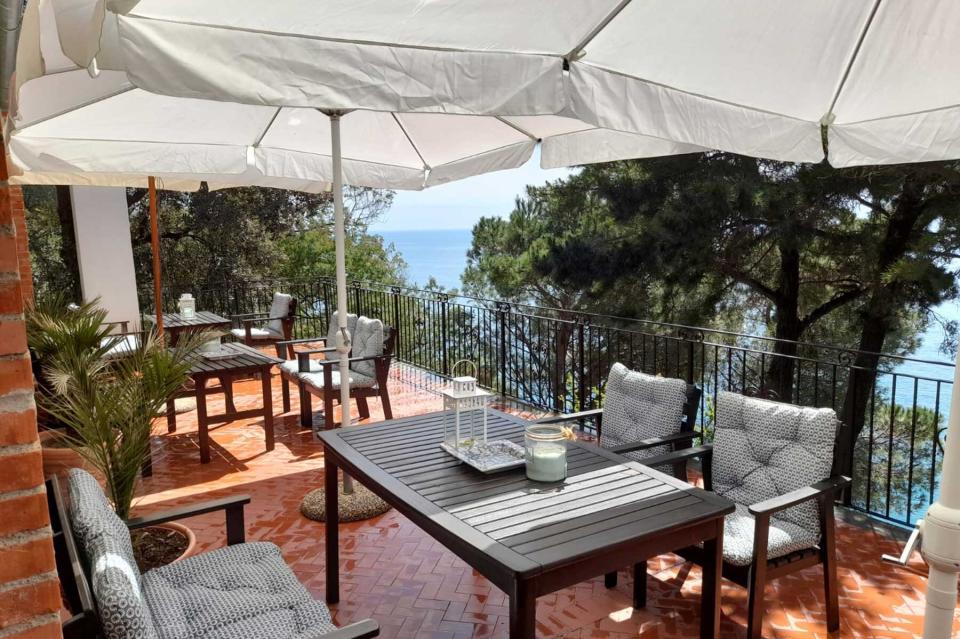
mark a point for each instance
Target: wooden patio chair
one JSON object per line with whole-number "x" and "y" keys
{"x": 642, "y": 416}
{"x": 244, "y": 589}
{"x": 370, "y": 358}
{"x": 774, "y": 461}
{"x": 275, "y": 325}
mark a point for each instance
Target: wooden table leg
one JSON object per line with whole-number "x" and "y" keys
{"x": 523, "y": 612}
{"x": 172, "y": 415}
{"x": 710, "y": 590}
{"x": 226, "y": 381}
{"x": 202, "y": 424}
{"x": 267, "y": 406}
{"x": 332, "y": 507}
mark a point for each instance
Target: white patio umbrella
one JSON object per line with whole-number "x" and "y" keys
{"x": 69, "y": 121}
{"x": 758, "y": 78}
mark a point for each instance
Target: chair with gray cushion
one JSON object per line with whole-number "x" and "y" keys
{"x": 370, "y": 357}
{"x": 642, "y": 415}
{"x": 774, "y": 461}
{"x": 244, "y": 590}
{"x": 274, "y": 326}
{"x": 290, "y": 369}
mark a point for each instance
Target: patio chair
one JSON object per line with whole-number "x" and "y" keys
{"x": 128, "y": 342}
{"x": 642, "y": 415}
{"x": 278, "y": 324}
{"x": 774, "y": 461}
{"x": 370, "y": 358}
{"x": 243, "y": 590}
{"x": 290, "y": 370}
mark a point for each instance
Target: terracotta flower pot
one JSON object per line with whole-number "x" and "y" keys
{"x": 152, "y": 557}
{"x": 57, "y": 460}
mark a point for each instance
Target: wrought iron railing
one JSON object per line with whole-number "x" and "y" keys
{"x": 558, "y": 360}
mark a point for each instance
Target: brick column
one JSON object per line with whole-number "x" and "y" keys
{"x": 29, "y": 589}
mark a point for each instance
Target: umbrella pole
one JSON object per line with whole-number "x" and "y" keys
{"x": 155, "y": 247}
{"x": 343, "y": 343}
{"x": 940, "y": 535}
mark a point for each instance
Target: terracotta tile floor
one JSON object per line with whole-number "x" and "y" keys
{"x": 414, "y": 587}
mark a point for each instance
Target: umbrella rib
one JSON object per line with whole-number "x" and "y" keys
{"x": 853, "y": 57}
{"x": 406, "y": 134}
{"x": 78, "y": 107}
{"x": 518, "y": 129}
{"x": 267, "y": 128}
{"x": 588, "y": 38}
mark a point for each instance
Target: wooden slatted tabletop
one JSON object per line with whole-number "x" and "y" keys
{"x": 200, "y": 319}
{"x": 528, "y": 538}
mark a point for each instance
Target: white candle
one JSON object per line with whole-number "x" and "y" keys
{"x": 547, "y": 462}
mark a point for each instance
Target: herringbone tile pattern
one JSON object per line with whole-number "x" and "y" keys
{"x": 414, "y": 587}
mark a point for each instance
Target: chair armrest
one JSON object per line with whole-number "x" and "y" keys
{"x": 351, "y": 360}
{"x": 560, "y": 419}
{"x": 704, "y": 452}
{"x": 823, "y": 488}
{"x": 360, "y": 630}
{"x": 232, "y": 506}
{"x": 244, "y": 315}
{"x": 304, "y": 340}
{"x": 644, "y": 444}
{"x": 123, "y": 324}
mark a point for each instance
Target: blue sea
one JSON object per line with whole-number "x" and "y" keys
{"x": 438, "y": 254}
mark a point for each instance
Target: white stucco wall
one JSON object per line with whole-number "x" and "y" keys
{"x": 104, "y": 250}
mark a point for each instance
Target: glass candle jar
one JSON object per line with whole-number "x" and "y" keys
{"x": 546, "y": 453}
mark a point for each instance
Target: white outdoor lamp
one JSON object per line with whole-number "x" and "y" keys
{"x": 464, "y": 412}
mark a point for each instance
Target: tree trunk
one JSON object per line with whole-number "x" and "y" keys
{"x": 778, "y": 380}
{"x": 68, "y": 241}
{"x": 877, "y": 319}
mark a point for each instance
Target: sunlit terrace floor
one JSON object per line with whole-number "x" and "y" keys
{"x": 414, "y": 587}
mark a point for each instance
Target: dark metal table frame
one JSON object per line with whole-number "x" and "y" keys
{"x": 585, "y": 553}
{"x": 249, "y": 361}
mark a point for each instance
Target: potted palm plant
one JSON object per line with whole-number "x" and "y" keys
{"x": 108, "y": 406}
{"x": 56, "y": 328}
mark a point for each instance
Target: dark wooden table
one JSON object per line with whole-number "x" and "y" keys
{"x": 528, "y": 538}
{"x": 175, "y": 324}
{"x": 247, "y": 361}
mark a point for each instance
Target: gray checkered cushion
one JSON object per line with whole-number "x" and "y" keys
{"x": 278, "y": 309}
{"x": 763, "y": 449}
{"x": 783, "y": 538}
{"x": 637, "y": 406}
{"x": 114, "y": 576}
{"x": 356, "y": 380}
{"x": 244, "y": 591}
{"x": 367, "y": 342}
{"x": 333, "y": 330}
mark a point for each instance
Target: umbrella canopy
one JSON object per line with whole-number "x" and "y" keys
{"x": 760, "y": 79}
{"x": 71, "y": 118}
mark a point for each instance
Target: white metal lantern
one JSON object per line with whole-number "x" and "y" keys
{"x": 188, "y": 306}
{"x": 464, "y": 411}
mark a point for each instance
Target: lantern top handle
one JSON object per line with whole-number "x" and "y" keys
{"x": 467, "y": 362}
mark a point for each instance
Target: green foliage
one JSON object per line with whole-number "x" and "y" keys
{"x": 310, "y": 255}
{"x": 108, "y": 404}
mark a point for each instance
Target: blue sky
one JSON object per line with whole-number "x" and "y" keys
{"x": 458, "y": 205}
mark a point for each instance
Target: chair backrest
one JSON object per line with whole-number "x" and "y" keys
{"x": 332, "y": 329}
{"x": 367, "y": 342}
{"x": 107, "y": 551}
{"x": 763, "y": 449}
{"x": 282, "y": 309}
{"x": 638, "y": 406}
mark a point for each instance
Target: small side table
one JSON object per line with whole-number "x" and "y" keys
{"x": 245, "y": 361}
